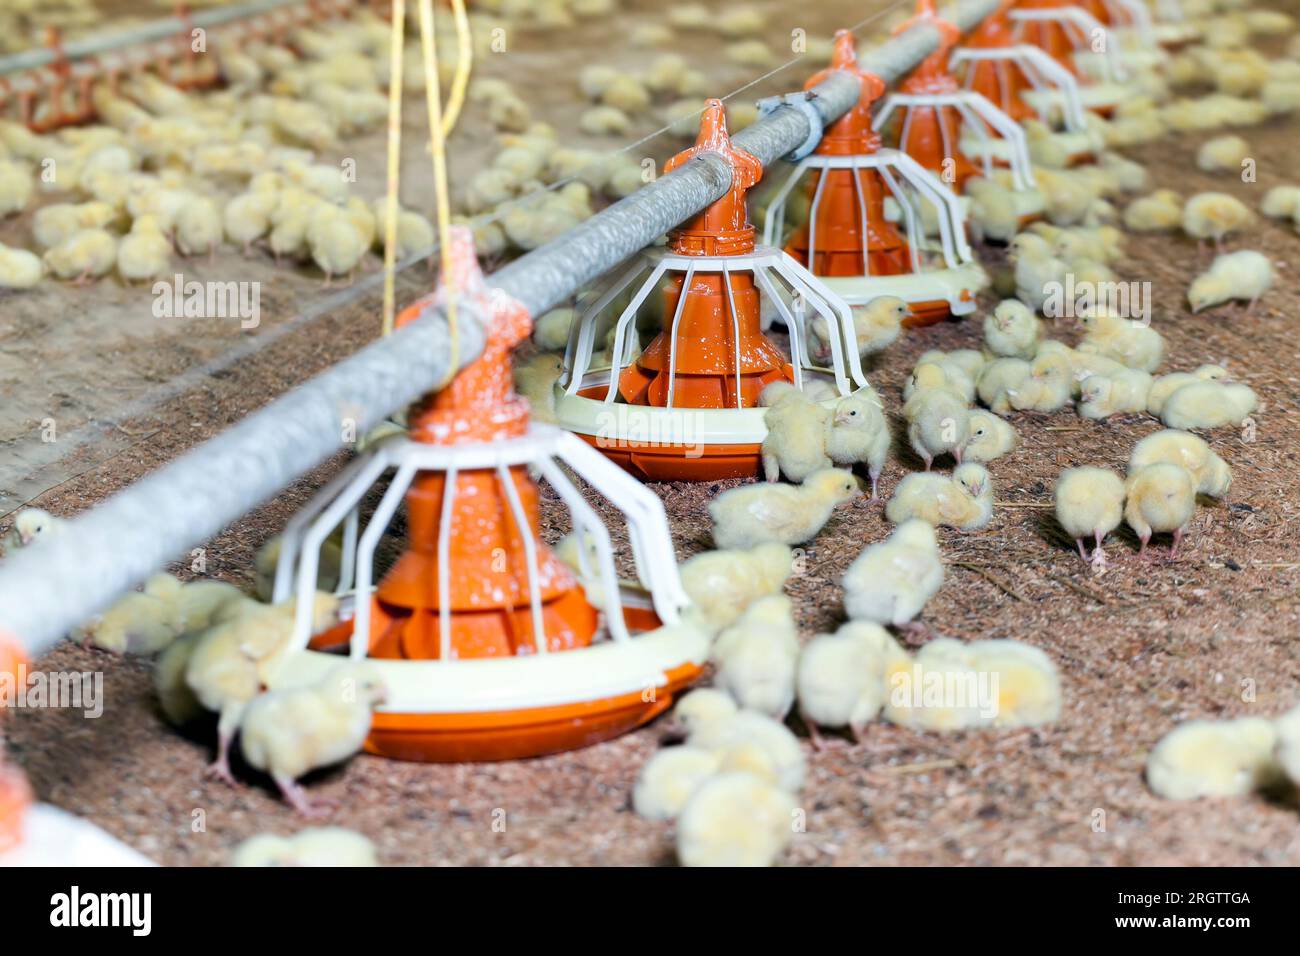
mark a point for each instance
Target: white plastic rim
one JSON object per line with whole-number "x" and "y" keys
{"x": 604, "y": 669}
{"x": 1096, "y": 96}
{"x": 957, "y": 287}
{"x": 1042, "y": 72}
{"x": 544, "y": 448}
{"x": 1080, "y": 28}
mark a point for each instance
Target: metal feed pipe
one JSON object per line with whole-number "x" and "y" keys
{"x": 48, "y": 589}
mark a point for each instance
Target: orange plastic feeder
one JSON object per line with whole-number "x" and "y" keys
{"x": 491, "y": 647}
{"x": 15, "y": 794}
{"x": 850, "y": 240}
{"x": 998, "y": 80}
{"x": 1065, "y": 31}
{"x": 686, "y": 408}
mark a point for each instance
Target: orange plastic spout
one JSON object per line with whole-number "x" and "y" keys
{"x": 998, "y": 81}
{"x": 842, "y": 203}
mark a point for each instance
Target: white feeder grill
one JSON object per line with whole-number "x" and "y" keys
{"x": 797, "y": 291}
{"x": 993, "y": 133}
{"x": 956, "y": 284}
{"x": 1042, "y": 73}
{"x": 606, "y": 668}
{"x": 1079, "y": 26}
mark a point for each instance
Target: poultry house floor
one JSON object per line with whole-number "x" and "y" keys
{"x": 1141, "y": 648}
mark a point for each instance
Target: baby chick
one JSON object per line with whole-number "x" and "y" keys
{"x": 1127, "y": 341}
{"x": 756, "y": 657}
{"x": 535, "y": 381}
{"x": 998, "y": 379}
{"x": 336, "y": 244}
{"x": 990, "y": 437}
{"x": 1222, "y": 154}
{"x": 1161, "y": 211}
{"x": 1204, "y": 758}
{"x": 1046, "y": 389}
{"x": 314, "y": 846}
{"x": 876, "y": 326}
{"x": 795, "y": 444}
{"x": 1089, "y": 503}
{"x": 843, "y": 677}
{"x": 85, "y": 255}
{"x": 1012, "y": 330}
{"x": 1209, "y": 405}
{"x": 145, "y": 252}
{"x": 1124, "y": 392}
{"x": 723, "y": 583}
{"x": 32, "y": 524}
{"x": 788, "y": 514}
{"x": 142, "y": 622}
{"x": 328, "y": 566}
{"x": 1245, "y": 275}
{"x": 292, "y": 731}
{"x": 19, "y": 269}
{"x": 1166, "y": 385}
{"x": 735, "y": 819}
{"x": 1036, "y": 268}
{"x": 964, "y": 501}
{"x": 858, "y": 434}
{"x": 891, "y": 581}
{"x": 1288, "y": 744}
{"x": 199, "y": 227}
{"x": 1281, "y": 202}
{"x": 175, "y": 697}
{"x": 702, "y": 706}
{"x": 1159, "y": 497}
{"x": 1209, "y": 472}
{"x": 1215, "y": 216}
{"x": 937, "y": 424}
{"x": 669, "y": 778}
{"x": 937, "y": 370}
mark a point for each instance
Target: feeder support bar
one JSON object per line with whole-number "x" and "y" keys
{"x": 47, "y": 590}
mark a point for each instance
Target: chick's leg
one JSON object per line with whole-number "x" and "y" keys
{"x": 875, "y": 485}
{"x": 1098, "y": 555}
{"x": 1082, "y": 552}
{"x": 226, "y": 727}
{"x": 771, "y": 470}
{"x": 297, "y": 798}
{"x": 814, "y": 732}
{"x": 1173, "y": 548}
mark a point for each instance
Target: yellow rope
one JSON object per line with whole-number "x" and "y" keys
{"x": 464, "y": 62}
{"x": 394, "y": 162}
{"x": 433, "y": 97}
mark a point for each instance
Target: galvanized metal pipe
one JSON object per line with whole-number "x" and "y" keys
{"x": 47, "y": 589}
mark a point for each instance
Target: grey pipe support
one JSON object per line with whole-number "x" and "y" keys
{"x": 45, "y": 590}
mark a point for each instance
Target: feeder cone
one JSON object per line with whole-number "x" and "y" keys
{"x": 998, "y": 81}
{"x": 487, "y": 569}
{"x": 1049, "y": 35}
{"x": 15, "y": 794}
{"x": 930, "y": 134}
{"x": 705, "y": 374}
{"x": 837, "y": 249}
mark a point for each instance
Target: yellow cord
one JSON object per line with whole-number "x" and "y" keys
{"x": 394, "y": 162}
{"x": 464, "y": 62}
{"x": 433, "y": 97}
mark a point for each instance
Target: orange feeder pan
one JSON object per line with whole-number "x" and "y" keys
{"x": 686, "y": 409}
{"x": 848, "y": 241}
{"x": 15, "y": 794}
{"x": 490, "y": 646}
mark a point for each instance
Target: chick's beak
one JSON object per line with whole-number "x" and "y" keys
{"x": 25, "y": 537}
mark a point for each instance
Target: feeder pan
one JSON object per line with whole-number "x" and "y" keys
{"x": 490, "y": 647}
{"x": 687, "y": 407}
{"x": 1065, "y": 33}
{"x": 15, "y": 795}
{"x": 854, "y": 247}
{"x": 1001, "y": 70}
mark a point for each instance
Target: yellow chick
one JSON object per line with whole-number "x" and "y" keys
{"x": 176, "y": 699}
{"x": 1159, "y": 498}
{"x": 1222, "y": 154}
{"x": 292, "y": 731}
{"x": 753, "y": 53}
{"x": 31, "y": 525}
{"x": 891, "y": 581}
{"x": 756, "y": 743}
{"x": 58, "y": 222}
{"x": 937, "y": 424}
{"x": 971, "y": 362}
{"x": 1166, "y": 385}
{"x": 199, "y": 227}
{"x": 535, "y": 380}
{"x": 1089, "y": 503}
{"x": 1245, "y": 275}
{"x": 990, "y": 437}
{"x": 788, "y": 514}
{"x": 145, "y": 252}
{"x": 702, "y": 706}
{"x": 1281, "y": 202}
{"x": 247, "y": 217}
{"x": 1288, "y": 744}
{"x": 16, "y": 186}
{"x": 992, "y": 211}
{"x": 1215, "y": 216}
{"x": 1127, "y": 341}
{"x": 723, "y": 583}
{"x": 1046, "y": 389}
{"x": 795, "y": 444}
{"x": 843, "y": 677}
{"x": 1036, "y": 269}
{"x": 936, "y": 370}
{"x": 1209, "y": 405}
{"x": 998, "y": 379}
{"x": 337, "y": 245}
{"x": 963, "y": 501}
{"x": 314, "y": 846}
{"x": 143, "y": 622}
{"x": 859, "y": 434}
{"x": 669, "y": 778}
{"x": 329, "y": 565}
{"x": 876, "y": 326}
{"x": 415, "y": 233}
{"x": 735, "y": 819}
{"x": 199, "y": 603}
{"x": 1161, "y": 211}
{"x": 1013, "y": 331}
{"x": 1204, "y": 758}
{"x": 19, "y": 269}
{"x": 1210, "y": 473}
{"x": 756, "y": 658}
{"x": 86, "y": 254}
{"x": 1124, "y": 392}
{"x": 232, "y": 662}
